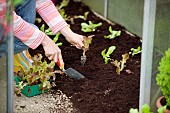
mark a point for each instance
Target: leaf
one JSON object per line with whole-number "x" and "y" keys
{"x": 110, "y": 51}
{"x": 88, "y": 41}
{"x": 146, "y": 108}
{"x": 132, "y": 110}
{"x": 59, "y": 44}
{"x": 120, "y": 64}
{"x": 135, "y": 51}
{"x": 56, "y": 37}
{"x": 106, "y": 55}
{"x": 89, "y": 27}
{"x": 125, "y": 57}
{"x": 84, "y": 17}
{"x": 63, "y": 4}
{"x": 42, "y": 27}
{"x": 162, "y": 109}
{"x": 113, "y": 33}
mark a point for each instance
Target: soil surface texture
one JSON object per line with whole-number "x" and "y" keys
{"x": 102, "y": 90}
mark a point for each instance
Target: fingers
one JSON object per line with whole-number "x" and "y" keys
{"x": 54, "y": 55}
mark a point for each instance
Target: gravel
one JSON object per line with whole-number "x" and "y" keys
{"x": 45, "y": 103}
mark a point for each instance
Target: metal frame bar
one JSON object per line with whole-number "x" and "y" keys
{"x": 10, "y": 53}
{"x": 147, "y": 51}
{"x": 105, "y": 8}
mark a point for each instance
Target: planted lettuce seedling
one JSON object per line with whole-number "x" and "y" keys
{"x": 88, "y": 41}
{"x": 120, "y": 65}
{"x": 135, "y": 51}
{"x": 91, "y": 27}
{"x": 113, "y": 33}
{"x": 106, "y": 55}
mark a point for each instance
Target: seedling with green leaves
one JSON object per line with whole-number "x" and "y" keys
{"x": 135, "y": 51}
{"x": 84, "y": 17}
{"x": 113, "y": 33}
{"x": 120, "y": 65}
{"x": 87, "y": 42}
{"x": 106, "y": 55}
{"x": 91, "y": 27}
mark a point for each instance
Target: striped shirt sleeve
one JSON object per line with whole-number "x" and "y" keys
{"x": 28, "y": 34}
{"x": 50, "y": 15}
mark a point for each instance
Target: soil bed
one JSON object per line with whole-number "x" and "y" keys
{"x": 102, "y": 90}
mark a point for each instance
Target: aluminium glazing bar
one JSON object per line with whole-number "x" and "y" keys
{"x": 147, "y": 51}
{"x": 105, "y": 8}
{"x": 10, "y": 52}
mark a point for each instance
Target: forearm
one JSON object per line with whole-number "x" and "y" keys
{"x": 50, "y": 15}
{"x": 66, "y": 32}
{"x": 28, "y": 34}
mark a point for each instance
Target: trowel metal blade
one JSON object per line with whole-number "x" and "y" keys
{"x": 72, "y": 73}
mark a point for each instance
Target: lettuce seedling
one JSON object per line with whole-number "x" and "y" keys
{"x": 89, "y": 27}
{"x": 63, "y": 4}
{"x": 84, "y": 17}
{"x": 113, "y": 33}
{"x": 135, "y": 51}
{"x": 87, "y": 42}
{"x": 120, "y": 65}
{"x": 106, "y": 55}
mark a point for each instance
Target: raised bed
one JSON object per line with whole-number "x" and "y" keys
{"x": 102, "y": 90}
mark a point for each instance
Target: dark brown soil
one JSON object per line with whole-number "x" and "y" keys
{"x": 102, "y": 90}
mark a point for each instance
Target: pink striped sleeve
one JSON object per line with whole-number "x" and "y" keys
{"x": 50, "y": 15}
{"x": 29, "y": 35}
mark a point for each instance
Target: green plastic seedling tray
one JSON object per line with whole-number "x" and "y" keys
{"x": 29, "y": 91}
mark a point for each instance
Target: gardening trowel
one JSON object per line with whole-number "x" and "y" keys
{"x": 72, "y": 73}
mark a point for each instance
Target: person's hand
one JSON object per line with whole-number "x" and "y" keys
{"x": 75, "y": 39}
{"x": 52, "y": 51}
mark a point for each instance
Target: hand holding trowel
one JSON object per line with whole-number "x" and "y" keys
{"x": 72, "y": 73}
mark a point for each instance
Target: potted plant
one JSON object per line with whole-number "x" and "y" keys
{"x": 37, "y": 79}
{"x": 163, "y": 81}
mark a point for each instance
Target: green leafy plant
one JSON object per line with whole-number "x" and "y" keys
{"x": 87, "y": 42}
{"x": 84, "y": 17}
{"x": 40, "y": 73}
{"x": 120, "y": 64}
{"x": 146, "y": 109}
{"x": 106, "y": 55}
{"x": 135, "y": 51}
{"x": 163, "y": 77}
{"x": 63, "y": 4}
{"x": 113, "y": 33}
{"x": 91, "y": 27}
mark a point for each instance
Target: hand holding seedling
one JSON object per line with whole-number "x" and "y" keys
{"x": 87, "y": 42}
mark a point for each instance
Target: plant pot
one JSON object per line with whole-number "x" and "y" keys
{"x": 29, "y": 91}
{"x": 158, "y": 104}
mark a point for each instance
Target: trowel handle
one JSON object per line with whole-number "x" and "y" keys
{"x": 60, "y": 64}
